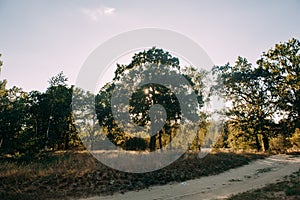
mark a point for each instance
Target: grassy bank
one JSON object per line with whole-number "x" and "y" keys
{"x": 288, "y": 189}
{"x": 78, "y": 174}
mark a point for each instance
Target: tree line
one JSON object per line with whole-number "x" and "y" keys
{"x": 262, "y": 112}
{"x": 34, "y": 121}
{"x": 264, "y": 99}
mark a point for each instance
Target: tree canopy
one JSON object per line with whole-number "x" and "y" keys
{"x": 262, "y": 113}
{"x": 264, "y": 98}
{"x": 153, "y": 63}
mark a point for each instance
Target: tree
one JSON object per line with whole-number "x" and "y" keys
{"x": 55, "y": 104}
{"x": 13, "y": 119}
{"x": 261, "y": 94}
{"x": 4, "y": 110}
{"x": 29, "y": 122}
{"x": 51, "y": 118}
{"x": 250, "y": 108}
{"x": 59, "y": 80}
{"x": 1, "y": 63}
{"x": 85, "y": 118}
{"x": 156, "y": 63}
{"x": 280, "y": 70}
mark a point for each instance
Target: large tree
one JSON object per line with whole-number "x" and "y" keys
{"x": 262, "y": 95}
{"x": 56, "y": 106}
{"x": 160, "y": 63}
{"x": 250, "y": 110}
{"x": 280, "y": 71}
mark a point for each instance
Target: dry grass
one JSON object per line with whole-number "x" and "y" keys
{"x": 58, "y": 163}
{"x": 288, "y": 189}
{"x": 63, "y": 175}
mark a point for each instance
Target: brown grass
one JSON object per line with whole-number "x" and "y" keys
{"x": 289, "y": 189}
{"x": 64, "y": 175}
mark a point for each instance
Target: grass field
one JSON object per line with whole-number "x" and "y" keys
{"x": 64, "y": 175}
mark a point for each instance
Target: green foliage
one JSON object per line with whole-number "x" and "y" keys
{"x": 292, "y": 191}
{"x": 263, "y": 113}
{"x": 158, "y": 62}
{"x": 280, "y": 68}
{"x": 295, "y": 139}
{"x": 280, "y": 144}
{"x": 222, "y": 141}
{"x": 29, "y": 122}
{"x": 59, "y": 80}
{"x": 259, "y": 94}
{"x": 14, "y": 111}
{"x": 153, "y": 56}
{"x": 250, "y": 110}
{"x": 136, "y": 144}
{"x": 58, "y": 113}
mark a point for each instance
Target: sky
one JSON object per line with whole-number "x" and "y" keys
{"x": 40, "y": 38}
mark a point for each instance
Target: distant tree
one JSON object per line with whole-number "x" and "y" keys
{"x": 222, "y": 141}
{"x": 59, "y": 80}
{"x": 37, "y": 121}
{"x": 87, "y": 122}
{"x": 51, "y": 118}
{"x": 4, "y": 111}
{"x": 13, "y": 119}
{"x": 31, "y": 121}
{"x": 1, "y": 63}
{"x": 55, "y": 104}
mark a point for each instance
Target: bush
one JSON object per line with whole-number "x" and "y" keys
{"x": 137, "y": 144}
{"x": 280, "y": 144}
{"x": 295, "y": 139}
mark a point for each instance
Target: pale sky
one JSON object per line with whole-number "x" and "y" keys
{"x": 40, "y": 38}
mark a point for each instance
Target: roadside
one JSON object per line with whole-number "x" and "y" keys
{"x": 288, "y": 189}
{"x": 252, "y": 176}
{"x": 65, "y": 175}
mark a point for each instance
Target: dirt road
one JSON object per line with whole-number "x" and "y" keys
{"x": 251, "y": 176}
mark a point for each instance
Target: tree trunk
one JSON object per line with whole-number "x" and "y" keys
{"x": 67, "y": 141}
{"x": 266, "y": 142}
{"x": 152, "y": 143}
{"x": 1, "y": 141}
{"x": 258, "y": 147}
{"x": 198, "y": 143}
{"x": 159, "y": 139}
{"x": 170, "y": 142}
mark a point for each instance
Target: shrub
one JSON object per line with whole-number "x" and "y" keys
{"x": 137, "y": 144}
{"x": 279, "y": 144}
{"x": 295, "y": 139}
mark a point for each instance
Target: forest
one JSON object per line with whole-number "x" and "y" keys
{"x": 262, "y": 112}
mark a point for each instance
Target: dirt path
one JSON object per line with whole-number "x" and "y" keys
{"x": 252, "y": 176}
